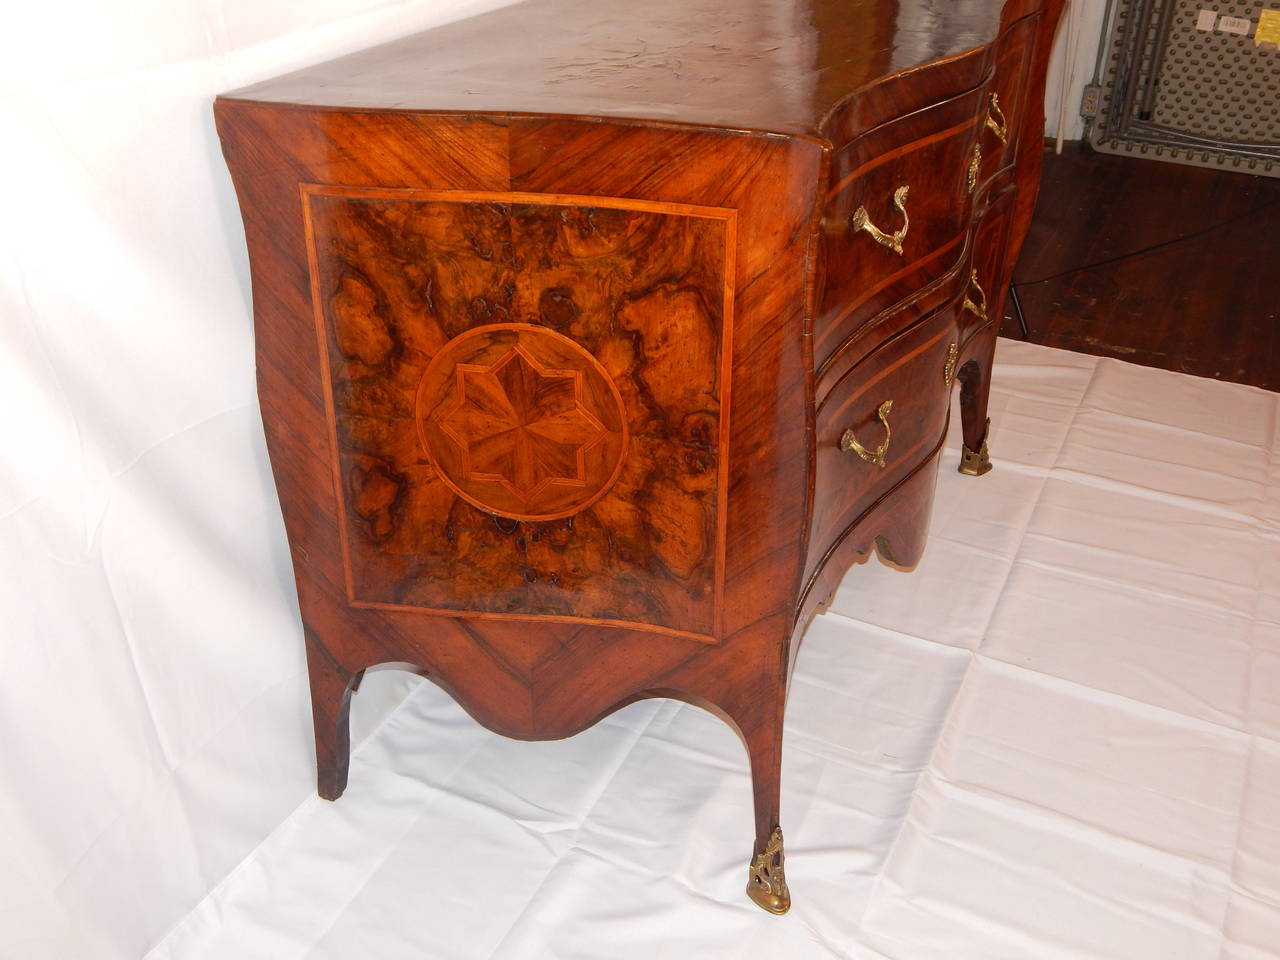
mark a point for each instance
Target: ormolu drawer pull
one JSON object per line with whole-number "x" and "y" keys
{"x": 849, "y": 442}
{"x": 996, "y": 122}
{"x": 861, "y": 221}
{"x": 978, "y": 309}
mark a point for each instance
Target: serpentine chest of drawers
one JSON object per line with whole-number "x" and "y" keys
{"x": 596, "y": 340}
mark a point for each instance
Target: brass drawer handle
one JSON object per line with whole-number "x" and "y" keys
{"x": 849, "y": 442}
{"x": 978, "y": 309}
{"x": 862, "y": 221}
{"x": 996, "y": 122}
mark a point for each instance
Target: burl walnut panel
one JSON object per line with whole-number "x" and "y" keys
{"x": 590, "y": 358}
{"x": 495, "y": 358}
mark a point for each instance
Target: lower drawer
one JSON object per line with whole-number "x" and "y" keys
{"x": 879, "y": 422}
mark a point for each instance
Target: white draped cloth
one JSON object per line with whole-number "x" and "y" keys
{"x": 1059, "y": 737}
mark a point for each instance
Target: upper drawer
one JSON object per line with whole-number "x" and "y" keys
{"x": 897, "y": 214}
{"x": 1006, "y": 98}
{"x": 882, "y": 420}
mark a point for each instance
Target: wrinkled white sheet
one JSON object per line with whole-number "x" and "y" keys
{"x": 154, "y": 731}
{"x": 1058, "y": 738}
{"x": 153, "y": 703}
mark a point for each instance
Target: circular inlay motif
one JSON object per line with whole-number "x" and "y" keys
{"x": 521, "y": 421}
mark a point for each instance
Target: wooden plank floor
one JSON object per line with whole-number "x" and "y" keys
{"x": 1208, "y": 304}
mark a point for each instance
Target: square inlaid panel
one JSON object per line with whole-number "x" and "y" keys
{"x": 528, "y": 402}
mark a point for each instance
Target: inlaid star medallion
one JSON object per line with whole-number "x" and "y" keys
{"x": 521, "y": 421}
{"x": 521, "y": 424}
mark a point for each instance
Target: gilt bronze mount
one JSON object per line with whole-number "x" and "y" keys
{"x": 767, "y": 880}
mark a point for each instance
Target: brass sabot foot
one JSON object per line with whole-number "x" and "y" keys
{"x": 976, "y": 464}
{"x": 766, "y": 881}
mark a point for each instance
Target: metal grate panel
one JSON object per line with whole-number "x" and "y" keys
{"x": 1176, "y": 92}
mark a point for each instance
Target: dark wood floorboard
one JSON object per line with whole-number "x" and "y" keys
{"x": 1208, "y": 305}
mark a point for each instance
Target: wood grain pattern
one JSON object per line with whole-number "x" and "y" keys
{"x": 521, "y": 422}
{"x": 927, "y": 151}
{"x": 787, "y": 67}
{"x": 907, "y": 370}
{"x": 436, "y": 310}
{"x": 554, "y": 357}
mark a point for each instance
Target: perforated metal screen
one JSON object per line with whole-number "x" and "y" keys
{"x": 1178, "y": 92}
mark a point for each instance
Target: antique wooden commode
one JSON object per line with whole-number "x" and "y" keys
{"x": 597, "y": 339}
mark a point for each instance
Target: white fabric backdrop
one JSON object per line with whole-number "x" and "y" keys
{"x": 1057, "y": 739}
{"x": 153, "y": 712}
{"x": 153, "y": 707}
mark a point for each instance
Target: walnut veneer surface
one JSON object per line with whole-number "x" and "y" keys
{"x": 596, "y": 341}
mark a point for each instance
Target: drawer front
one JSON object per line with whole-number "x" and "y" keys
{"x": 947, "y": 289}
{"x": 877, "y": 424}
{"x": 901, "y": 199}
{"x": 1006, "y": 99}
{"x": 983, "y": 300}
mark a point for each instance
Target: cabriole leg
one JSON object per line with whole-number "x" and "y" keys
{"x": 975, "y": 390}
{"x": 766, "y": 878}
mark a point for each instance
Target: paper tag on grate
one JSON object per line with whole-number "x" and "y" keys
{"x": 1240, "y": 25}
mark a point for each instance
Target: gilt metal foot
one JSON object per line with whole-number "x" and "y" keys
{"x": 976, "y": 464}
{"x": 766, "y": 882}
